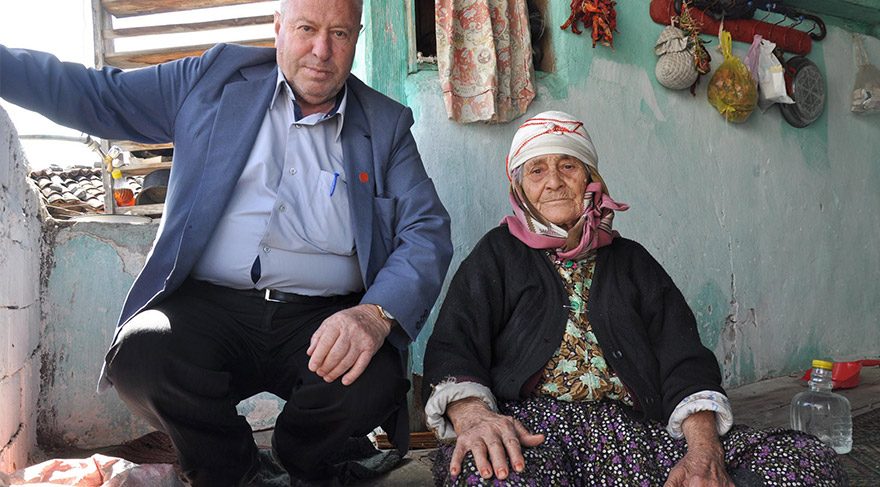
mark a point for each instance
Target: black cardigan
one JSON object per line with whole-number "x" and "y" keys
{"x": 505, "y": 313}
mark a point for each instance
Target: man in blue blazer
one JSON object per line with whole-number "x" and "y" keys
{"x": 301, "y": 248}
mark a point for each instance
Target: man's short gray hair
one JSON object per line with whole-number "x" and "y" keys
{"x": 358, "y": 3}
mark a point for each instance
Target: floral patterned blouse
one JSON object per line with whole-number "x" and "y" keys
{"x": 577, "y": 371}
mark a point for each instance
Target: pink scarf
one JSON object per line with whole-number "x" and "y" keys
{"x": 593, "y": 227}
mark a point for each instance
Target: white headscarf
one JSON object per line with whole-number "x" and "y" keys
{"x": 551, "y": 132}
{"x": 560, "y": 133}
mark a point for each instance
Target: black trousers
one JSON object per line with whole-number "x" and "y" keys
{"x": 185, "y": 364}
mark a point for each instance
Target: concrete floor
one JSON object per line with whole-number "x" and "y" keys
{"x": 760, "y": 405}
{"x": 765, "y": 404}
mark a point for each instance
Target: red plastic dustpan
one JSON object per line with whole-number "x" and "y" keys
{"x": 845, "y": 375}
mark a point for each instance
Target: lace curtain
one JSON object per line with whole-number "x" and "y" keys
{"x": 484, "y": 56}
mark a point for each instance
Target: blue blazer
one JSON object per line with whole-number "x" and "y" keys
{"x": 211, "y": 108}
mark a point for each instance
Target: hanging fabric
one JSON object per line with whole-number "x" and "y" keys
{"x": 484, "y": 56}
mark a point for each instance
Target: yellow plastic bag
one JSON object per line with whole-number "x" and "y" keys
{"x": 732, "y": 90}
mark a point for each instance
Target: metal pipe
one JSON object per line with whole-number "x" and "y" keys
{"x": 83, "y": 139}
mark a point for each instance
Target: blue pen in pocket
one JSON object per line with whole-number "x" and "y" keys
{"x": 333, "y": 184}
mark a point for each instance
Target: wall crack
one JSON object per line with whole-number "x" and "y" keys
{"x": 28, "y": 359}
{"x": 14, "y": 436}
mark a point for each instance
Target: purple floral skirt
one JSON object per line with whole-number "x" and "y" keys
{"x": 598, "y": 443}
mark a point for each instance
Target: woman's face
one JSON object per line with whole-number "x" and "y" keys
{"x": 555, "y": 185}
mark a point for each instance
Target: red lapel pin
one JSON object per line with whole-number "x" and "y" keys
{"x": 364, "y": 177}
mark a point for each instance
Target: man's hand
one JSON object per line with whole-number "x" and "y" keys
{"x": 483, "y": 433}
{"x": 703, "y": 464}
{"x": 346, "y": 342}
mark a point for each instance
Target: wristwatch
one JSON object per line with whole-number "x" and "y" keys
{"x": 385, "y": 315}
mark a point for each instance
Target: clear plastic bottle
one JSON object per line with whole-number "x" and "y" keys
{"x": 122, "y": 191}
{"x": 822, "y": 413}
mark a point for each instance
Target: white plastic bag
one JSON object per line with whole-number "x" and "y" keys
{"x": 771, "y": 77}
{"x": 866, "y": 90}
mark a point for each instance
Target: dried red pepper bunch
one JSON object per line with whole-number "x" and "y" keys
{"x": 693, "y": 29}
{"x": 598, "y": 15}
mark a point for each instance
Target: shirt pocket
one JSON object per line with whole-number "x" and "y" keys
{"x": 322, "y": 220}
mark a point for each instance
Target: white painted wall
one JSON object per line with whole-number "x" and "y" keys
{"x": 20, "y": 234}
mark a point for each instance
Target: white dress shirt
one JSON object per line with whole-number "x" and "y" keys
{"x": 290, "y": 207}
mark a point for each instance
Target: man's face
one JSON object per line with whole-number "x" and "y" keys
{"x": 315, "y": 40}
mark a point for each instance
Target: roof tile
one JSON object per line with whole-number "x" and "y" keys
{"x": 74, "y": 190}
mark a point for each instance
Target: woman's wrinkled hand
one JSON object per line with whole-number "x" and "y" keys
{"x": 699, "y": 468}
{"x": 703, "y": 464}
{"x": 492, "y": 438}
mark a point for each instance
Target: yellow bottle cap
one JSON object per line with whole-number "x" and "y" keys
{"x": 116, "y": 173}
{"x": 823, "y": 364}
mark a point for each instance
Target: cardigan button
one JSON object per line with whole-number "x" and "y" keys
{"x": 617, "y": 354}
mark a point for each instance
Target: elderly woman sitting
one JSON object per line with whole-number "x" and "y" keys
{"x": 565, "y": 355}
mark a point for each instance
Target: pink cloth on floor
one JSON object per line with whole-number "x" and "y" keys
{"x": 95, "y": 471}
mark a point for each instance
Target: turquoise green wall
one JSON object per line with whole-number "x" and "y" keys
{"x": 90, "y": 268}
{"x": 770, "y": 231}
{"x": 385, "y": 46}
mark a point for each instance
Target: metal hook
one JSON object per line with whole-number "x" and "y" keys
{"x": 817, "y": 22}
{"x": 768, "y": 9}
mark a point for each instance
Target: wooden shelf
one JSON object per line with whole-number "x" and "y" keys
{"x": 107, "y": 37}
{"x": 138, "y": 168}
{"x": 138, "y": 59}
{"x": 141, "y": 210}
{"x": 191, "y": 27}
{"x": 128, "y": 8}
{"x": 129, "y": 146}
